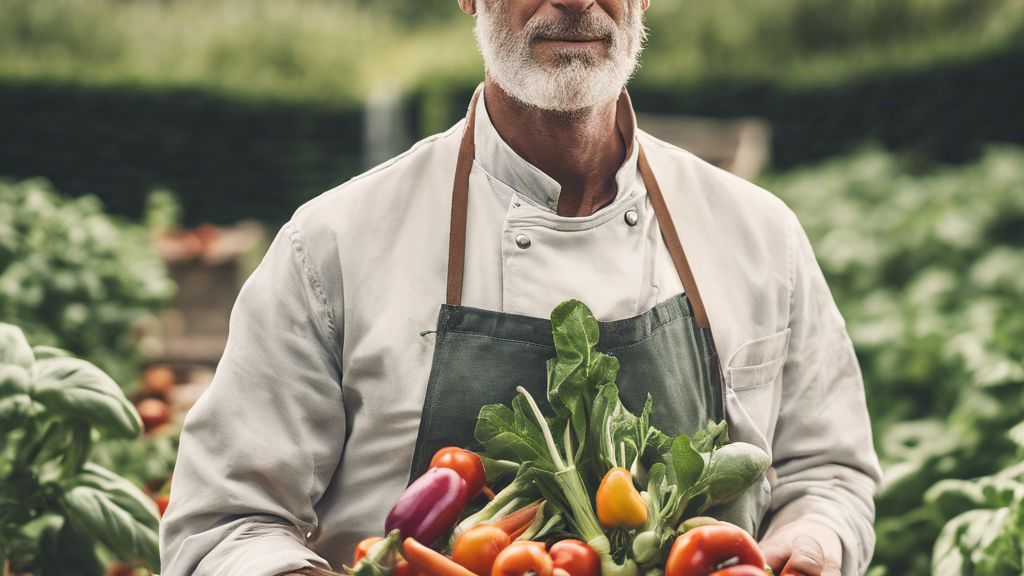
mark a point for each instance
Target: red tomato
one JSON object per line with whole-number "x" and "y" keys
{"x": 162, "y": 500}
{"x": 697, "y": 551}
{"x": 477, "y": 548}
{"x": 576, "y": 558}
{"x": 741, "y": 570}
{"x": 787, "y": 571}
{"x": 157, "y": 379}
{"x": 467, "y": 464}
{"x": 153, "y": 413}
{"x": 521, "y": 557}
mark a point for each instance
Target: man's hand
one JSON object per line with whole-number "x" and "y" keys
{"x": 805, "y": 547}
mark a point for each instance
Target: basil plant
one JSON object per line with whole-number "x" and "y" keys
{"x": 56, "y": 507}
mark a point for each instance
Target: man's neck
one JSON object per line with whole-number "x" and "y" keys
{"x": 581, "y": 151}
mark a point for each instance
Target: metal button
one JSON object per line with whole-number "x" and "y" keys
{"x": 631, "y": 217}
{"x": 522, "y": 241}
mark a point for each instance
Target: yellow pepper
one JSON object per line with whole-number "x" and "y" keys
{"x": 619, "y": 505}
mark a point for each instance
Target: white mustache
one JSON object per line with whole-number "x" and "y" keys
{"x": 581, "y": 26}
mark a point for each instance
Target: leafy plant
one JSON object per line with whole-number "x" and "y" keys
{"x": 55, "y": 505}
{"x": 75, "y": 278}
{"x": 927, "y": 267}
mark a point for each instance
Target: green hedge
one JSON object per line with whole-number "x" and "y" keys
{"x": 227, "y": 160}
{"x": 230, "y": 160}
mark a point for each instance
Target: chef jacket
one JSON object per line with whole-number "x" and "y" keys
{"x": 305, "y": 438}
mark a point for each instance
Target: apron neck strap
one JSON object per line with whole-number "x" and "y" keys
{"x": 460, "y": 205}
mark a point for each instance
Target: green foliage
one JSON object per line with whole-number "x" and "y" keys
{"x": 342, "y": 49}
{"x": 55, "y": 505}
{"x": 78, "y": 279}
{"x": 928, "y": 270}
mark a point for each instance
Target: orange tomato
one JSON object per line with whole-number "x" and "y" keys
{"x": 477, "y": 548}
{"x": 523, "y": 556}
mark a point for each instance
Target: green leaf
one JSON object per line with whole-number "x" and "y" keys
{"x": 77, "y": 390}
{"x": 127, "y": 495}
{"x": 14, "y": 380}
{"x": 732, "y": 469}
{"x": 95, "y": 512}
{"x": 509, "y": 435}
{"x": 714, "y": 434}
{"x": 43, "y": 352}
{"x": 578, "y": 370}
{"x": 686, "y": 462}
{"x": 14, "y": 348}
{"x": 494, "y": 469}
{"x": 65, "y": 552}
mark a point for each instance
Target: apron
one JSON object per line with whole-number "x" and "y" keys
{"x": 481, "y": 356}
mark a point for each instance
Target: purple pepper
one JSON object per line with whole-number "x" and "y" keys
{"x": 429, "y": 506}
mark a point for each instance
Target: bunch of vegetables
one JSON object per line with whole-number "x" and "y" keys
{"x": 611, "y": 494}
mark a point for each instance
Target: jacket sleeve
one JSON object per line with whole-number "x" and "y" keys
{"x": 260, "y": 446}
{"x": 825, "y": 461}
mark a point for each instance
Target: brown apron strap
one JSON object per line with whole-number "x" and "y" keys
{"x": 460, "y": 204}
{"x": 671, "y": 237}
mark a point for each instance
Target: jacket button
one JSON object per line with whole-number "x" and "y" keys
{"x": 631, "y": 217}
{"x": 523, "y": 241}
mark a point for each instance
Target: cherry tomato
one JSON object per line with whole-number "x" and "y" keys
{"x": 477, "y": 548}
{"x": 576, "y": 558}
{"x": 698, "y": 551}
{"x": 153, "y": 413}
{"x": 520, "y": 557}
{"x": 787, "y": 571}
{"x": 467, "y": 464}
{"x": 741, "y": 570}
{"x": 157, "y": 379}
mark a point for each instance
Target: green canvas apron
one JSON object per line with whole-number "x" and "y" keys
{"x": 481, "y": 356}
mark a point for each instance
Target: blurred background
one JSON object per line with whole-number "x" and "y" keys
{"x": 150, "y": 148}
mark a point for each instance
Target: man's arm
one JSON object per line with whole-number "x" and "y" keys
{"x": 259, "y": 448}
{"x": 823, "y": 451}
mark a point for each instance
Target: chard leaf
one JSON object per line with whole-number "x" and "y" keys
{"x": 507, "y": 434}
{"x": 686, "y": 462}
{"x": 714, "y": 434}
{"x": 578, "y": 370}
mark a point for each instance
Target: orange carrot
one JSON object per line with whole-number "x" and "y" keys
{"x": 519, "y": 532}
{"x": 517, "y": 519}
{"x": 429, "y": 562}
{"x": 488, "y": 492}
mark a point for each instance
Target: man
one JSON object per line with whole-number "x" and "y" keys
{"x": 339, "y": 380}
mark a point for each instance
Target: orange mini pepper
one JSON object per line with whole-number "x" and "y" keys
{"x": 619, "y": 505}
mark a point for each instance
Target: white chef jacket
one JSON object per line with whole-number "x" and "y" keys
{"x": 305, "y": 438}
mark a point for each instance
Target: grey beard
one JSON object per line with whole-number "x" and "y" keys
{"x": 576, "y": 82}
